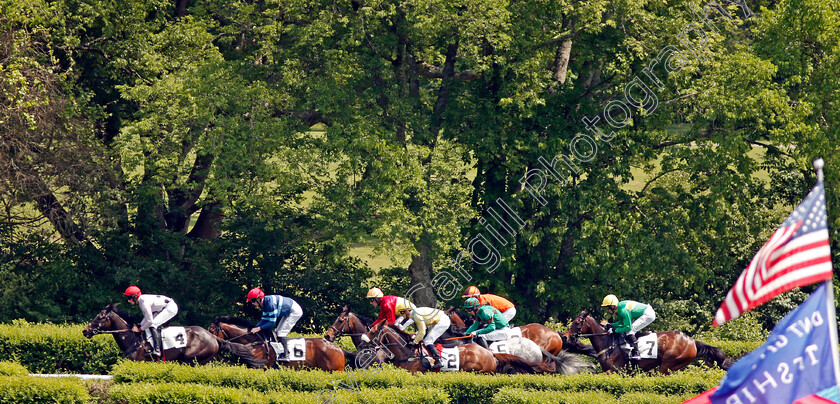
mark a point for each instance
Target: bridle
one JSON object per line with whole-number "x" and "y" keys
{"x": 222, "y": 333}
{"x": 98, "y": 328}
{"x": 578, "y": 324}
{"x": 344, "y": 328}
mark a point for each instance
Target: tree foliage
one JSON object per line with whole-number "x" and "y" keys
{"x": 227, "y": 145}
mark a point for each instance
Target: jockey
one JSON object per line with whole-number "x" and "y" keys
{"x": 495, "y": 325}
{"x": 632, "y": 317}
{"x": 157, "y": 310}
{"x": 389, "y": 307}
{"x": 501, "y": 304}
{"x": 431, "y": 324}
{"x": 276, "y": 310}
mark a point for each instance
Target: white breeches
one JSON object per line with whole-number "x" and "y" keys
{"x": 285, "y": 324}
{"x": 643, "y": 321}
{"x": 435, "y": 331}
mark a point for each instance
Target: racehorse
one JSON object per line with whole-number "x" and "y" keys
{"x": 320, "y": 354}
{"x": 472, "y": 357}
{"x": 675, "y": 350}
{"x": 546, "y": 338}
{"x": 201, "y": 346}
{"x": 348, "y": 323}
{"x": 564, "y": 362}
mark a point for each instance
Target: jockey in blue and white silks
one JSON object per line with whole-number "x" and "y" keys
{"x": 277, "y": 311}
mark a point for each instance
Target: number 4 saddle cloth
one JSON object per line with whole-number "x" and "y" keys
{"x": 171, "y": 337}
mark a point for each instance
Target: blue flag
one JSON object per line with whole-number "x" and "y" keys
{"x": 797, "y": 360}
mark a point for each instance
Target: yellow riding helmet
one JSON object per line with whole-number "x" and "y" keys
{"x": 471, "y": 291}
{"x": 610, "y": 300}
{"x": 374, "y": 292}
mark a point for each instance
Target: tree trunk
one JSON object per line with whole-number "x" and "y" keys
{"x": 420, "y": 271}
{"x": 52, "y": 209}
{"x": 207, "y": 225}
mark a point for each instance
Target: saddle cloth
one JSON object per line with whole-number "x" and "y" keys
{"x": 171, "y": 337}
{"x": 296, "y": 345}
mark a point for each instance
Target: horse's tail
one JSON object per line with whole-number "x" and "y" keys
{"x": 567, "y": 364}
{"x": 242, "y": 352}
{"x": 575, "y": 346}
{"x": 712, "y": 354}
{"x": 350, "y": 358}
{"x": 507, "y": 363}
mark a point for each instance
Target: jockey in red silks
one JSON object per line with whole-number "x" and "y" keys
{"x": 389, "y": 308}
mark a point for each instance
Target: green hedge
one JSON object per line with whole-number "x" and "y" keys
{"x": 734, "y": 349}
{"x": 28, "y": 389}
{"x": 462, "y": 387}
{"x": 52, "y": 348}
{"x": 512, "y": 395}
{"x": 178, "y": 393}
{"x": 49, "y": 348}
{"x": 12, "y": 369}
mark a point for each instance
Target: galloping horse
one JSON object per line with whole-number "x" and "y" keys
{"x": 224, "y": 327}
{"x": 201, "y": 346}
{"x": 675, "y": 350}
{"x": 320, "y": 354}
{"x": 546, "y": 338}
{"x": 472, "y": 357}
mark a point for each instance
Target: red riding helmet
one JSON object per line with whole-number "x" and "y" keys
{"x": 132, "y": 291}
{"x": 255, "y": 293}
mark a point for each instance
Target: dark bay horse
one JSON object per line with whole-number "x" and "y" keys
{"x": 201, "y": 345}
{"x": 472, "y": 357}
{"x": 320, "y": 354}
{"x": 546, "y": 338}
{"x": 675, "y": 349}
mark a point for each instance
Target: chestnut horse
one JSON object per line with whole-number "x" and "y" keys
{"x": 201, "y": 345}
{"x": 472, "y": 357}
{"x": 675, "y": 349}
{"x": 546, "y": 338}
{"x": 350, "y": 324}
{"x": 320, "y": 354}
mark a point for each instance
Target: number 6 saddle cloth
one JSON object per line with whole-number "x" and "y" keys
{"x": 297, "y": 346}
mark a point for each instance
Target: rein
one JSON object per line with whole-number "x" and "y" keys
{"x": 589, "y": 335}
{"x": 112, "y": 331}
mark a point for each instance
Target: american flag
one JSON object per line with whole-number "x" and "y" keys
{"x": 796, "y": 255}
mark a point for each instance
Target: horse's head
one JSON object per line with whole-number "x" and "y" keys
{"x": 106, "y": 320}
{"x": 580, "y": 325}
{"x": 390, "y": 339}
{"x": 228, "y": 328}
{"x": 340, "y": 326}
{"x": 215, "y": 328}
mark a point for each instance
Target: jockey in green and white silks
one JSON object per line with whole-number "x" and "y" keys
{"x": 494, "y": 325}
{"x": 632, "y": 318}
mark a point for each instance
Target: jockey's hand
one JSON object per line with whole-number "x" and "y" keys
{"x": 135, "y": 329}
{"x": 473, "y": 334}
{"x": 255, "y": 330}
{"x": 365, "y": 338}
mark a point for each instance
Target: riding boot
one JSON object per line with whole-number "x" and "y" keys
{"x": 481, "y": 341}
{"x": 634, "y": 353}
{"x": 285, "y": 342}
{"x": 434, "y": 353}
{"x": 157, "y": 344}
